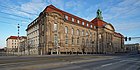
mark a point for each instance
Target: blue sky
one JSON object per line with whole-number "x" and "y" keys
{"x": 122, "y": 14}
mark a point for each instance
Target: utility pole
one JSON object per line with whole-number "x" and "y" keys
{"x": 18, "y": 38}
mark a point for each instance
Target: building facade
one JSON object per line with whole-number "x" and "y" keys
{"x": 13, "y": 42}
{"x": 132, "y": 47}
{"x": 60, "y": 32}
{"x": 33, "y": 37}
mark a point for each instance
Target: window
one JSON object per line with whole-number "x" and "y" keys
{"x": 78, "y": 21}
{"x": 46, "y": 15}
{"x": 55, "y": 40}
{"x": 95, "y": 27}
{"x": 66, "y": 17}
{"x": 66, "y": 29}
{"x": 87, "y": 24}
{"x": 78, "y": 32}
{"x": 86, "y": 33}
{"x": 55, "y": 27}
{"x": 83, "y": 23}
{"x": 72, "y": 19}
{"x": 72, "y": 31}
{"x": 82, "y": 32}
{"x": 83, "y": 40}
{"x": 66, "y": 39}
{"x": 78, "y": 41}
{"x": 91, "y": 26}
{"x": 87, "y": 43}
{"x": 72, "y": 40}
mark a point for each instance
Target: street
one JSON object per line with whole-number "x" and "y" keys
{"x": 73, "y": 62}
{"x": 121, "y": 63}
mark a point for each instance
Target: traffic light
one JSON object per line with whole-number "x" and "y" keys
{"x": 125, "y": 38}
{"x": 129, "y": 38}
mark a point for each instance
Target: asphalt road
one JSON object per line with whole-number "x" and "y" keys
{"x": 71, "y": 62}
{"x": 129, "y": 62}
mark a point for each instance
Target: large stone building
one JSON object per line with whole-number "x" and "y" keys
{"x": 59, "y": 32}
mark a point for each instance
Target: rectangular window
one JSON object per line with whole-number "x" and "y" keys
{"x": 55, "y": 40}
{"x": 78, "y": 41}
{"x": 66, "y": 30}
{"x": 72, "y": 40}
{"x": 72, "y": 19}
{"x": 66, "y": 40}
{"x": 55, "y": 27}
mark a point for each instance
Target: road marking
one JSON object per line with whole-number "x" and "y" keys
{"x": 106, "y": 64}
{"x": 112, "y": 63}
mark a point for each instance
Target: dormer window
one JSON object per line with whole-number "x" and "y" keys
{"x": 90, "y": 26}
{"x": 72, "y": 19}
{"x": 78, "y": 21}
{"x": 66, "y": 17}
{"x": 94, "y": 27}
{"x": 87, "y": 24}
{"x": 83, "y": 23}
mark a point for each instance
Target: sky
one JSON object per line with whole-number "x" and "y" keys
{"x": 124, "y": 15}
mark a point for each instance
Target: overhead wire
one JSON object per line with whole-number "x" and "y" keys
{"x": 11, "y": 23}
{"x": 11, "y": 18}
{"x": 19, "y": 10}
{"x": 14, "y": 15}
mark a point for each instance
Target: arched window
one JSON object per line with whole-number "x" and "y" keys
{"x": 86, "y": 33}
{"x": 87, "y": 42}
{"x": 66, "y": 29}
{"x": 82, "y": 32}
{"x": 78, "y": 32}
{"x": 72, "y": 31}
{"x": 91, "y": 43}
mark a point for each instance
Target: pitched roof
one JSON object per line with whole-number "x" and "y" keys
{"x": 16, "y": 37}
{"x": 98, "y": 22}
